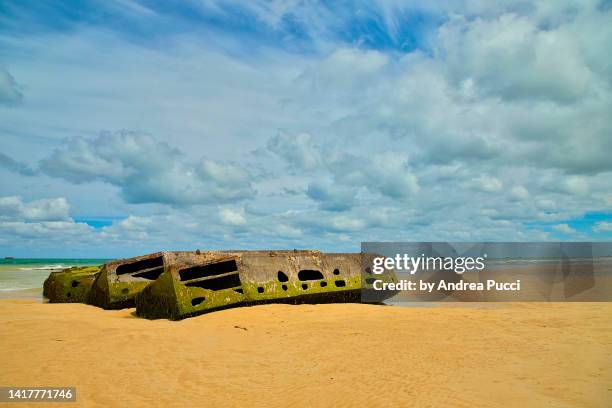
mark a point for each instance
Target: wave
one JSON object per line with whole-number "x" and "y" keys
{"x": 45, "y": 268}
{"x": 17, "y": 288}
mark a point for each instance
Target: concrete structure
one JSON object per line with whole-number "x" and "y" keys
{"x": 220, "y": 279}
{"x": 119, "y": 281}
{"x": 71, "y": 285}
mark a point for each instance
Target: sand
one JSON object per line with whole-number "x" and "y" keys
{"x": 341, "y": 355}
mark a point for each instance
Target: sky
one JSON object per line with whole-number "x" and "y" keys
{"x": 132, "y": 126}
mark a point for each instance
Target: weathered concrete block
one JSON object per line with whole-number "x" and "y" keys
{"x": 70, "y": 285}
{"x": 224, "y": 279}
{"x": 119, "y": 281}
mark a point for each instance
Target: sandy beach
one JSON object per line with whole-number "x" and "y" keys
{"x": 459, "y": 355}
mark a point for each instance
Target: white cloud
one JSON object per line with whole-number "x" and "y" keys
{"x": 510, "y": 56}
{"x": 575, "y": 185}
{"x": 135, "y": 223}
{"x": 230, "y": 181}
{"x": 284, "y": 230}
{"x": 232, "y": 217}
{"x": 385, "y": 173}
{"x": 49, "y": 209}
{"x": 147, "y": 171}
{"x": 603, "y": 226}
{"x": 60, "y": 232}
{"x": 390, "y": 174}
{"x": 519, "y": 193}
{"x": 486, "y": 184}
{"x": 331, "y": 197}
{"x": 298, "y": 150}
{"x": 347, "y": 223}
{"x": 564, "y": 228}
{"x": 379, "y": 176}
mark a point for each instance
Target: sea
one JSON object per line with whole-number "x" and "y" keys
{"x": 27, "y": 275}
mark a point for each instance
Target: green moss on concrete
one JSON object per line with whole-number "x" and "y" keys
{"x": 108, "y": 294}
{"x": 72, "y": 285}
{"x": 213, "y": 300}
{"x": 169, "y": 298}
{"x": 158, "y": 300}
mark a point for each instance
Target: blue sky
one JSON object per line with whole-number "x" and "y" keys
{"x": 133, "y": 126}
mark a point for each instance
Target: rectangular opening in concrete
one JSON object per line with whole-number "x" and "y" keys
{"x": 144, "y": 265}
{"x": 203, "y": 271}
{"x": 220, "y": 283}
{"x": 150, "y": 274}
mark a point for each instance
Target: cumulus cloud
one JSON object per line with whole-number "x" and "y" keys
{"x": 512, "y": 57}
{"x": 603, "y": 226}
{"x": 299, "y": 150}
{"x": 45, "y": 221}
{"x": 49, "y": 209}
{"x": 135, "y": 223}
{"x": 519, "y": 193}
{"x": 286, "y": 231}
{"x": 575, "y": 185}
{"x": 133, "y": 228}
{"x": 564, "y": 228}
{"x": 489, "y": 184}
{"x": 9, "y": 90}
{"x": 49, "y": 231}
{"x": 331, "y": 197}
{"x": 347, "y": 223}
{"x": 385, "y": 173}
{"x": 147, "y": 171}
{"x": 230, "y": 181}
{"x": 232, "y": 217}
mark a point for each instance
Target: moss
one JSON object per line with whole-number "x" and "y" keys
{"x": 108, "y": 294}
{"x": 72, "y": 285}
{"x": 158, "y": 300}
{"x": 166, "y": 298}
{"x": 213, "y": 300}
{"x": 169, "y": 298}
{"x": 264, "y": 277}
